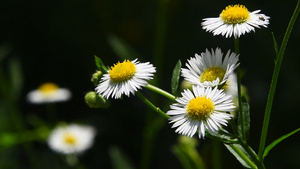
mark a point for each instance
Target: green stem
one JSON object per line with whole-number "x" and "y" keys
{"x": 238, "y": 72}
{"x": 246, "y": 146}
{"x": 152, "y": 106}
{"x": 274, "y": 82}
{"x": 160, "y": 91}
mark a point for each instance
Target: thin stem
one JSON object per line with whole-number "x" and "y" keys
{"x": 274, "y": 82}
{"x": 152, "y": 106}
{"x": 238, "y": 72}
{"x": 160, "y": 91}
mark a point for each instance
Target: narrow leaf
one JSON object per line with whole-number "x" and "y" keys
{"x": 121, "y": 48}
{"x": 175, "y": 78}
{"x": 241, "y": 155}
{"x": 246, "y": 120}
{"x": 275, "y": 46}
{"x": 274, "y": 143}
{"x": 100, "y": 65}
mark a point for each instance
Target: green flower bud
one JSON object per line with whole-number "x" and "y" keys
{"x": 96, "y": 77}
{"x": 94, "y": 100}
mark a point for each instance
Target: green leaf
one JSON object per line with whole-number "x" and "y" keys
{"x": 119, "y": 160}
{"x": 100, "y": 65}
{"x": 246, "y": 120}
{"x": 275, "y": 46}
{"x": 175, "y": 78}
{"x": 121, "y": 48}
{"x": 223, "y": 136}
{"x": 241, "y": 155}
{"x": 274, "y": 143}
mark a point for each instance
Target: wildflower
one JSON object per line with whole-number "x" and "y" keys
{"x": 208, "y": 69}
{"x": 125, "y": 78}
{"x": 235, "y": 20}
{"x": 203, "y": 110}
{"x": 48, "y": 93}
{"x": 71, "y": 139}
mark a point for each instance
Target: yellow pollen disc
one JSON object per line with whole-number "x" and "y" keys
{"x": 212, "y": 74}
{"x": 234, "y": 14}
{"x": 122, "y": 71}
{"x": 200, "y": 108}
{"x": 48, "y": 87}
{"x": 70, "y": 139}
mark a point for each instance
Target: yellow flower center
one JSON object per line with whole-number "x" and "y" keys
{"x": 212, "y": 74}
{"x": 200, "y": 108}
{"x": 234, "y": 14}
{"x": 122, "y": 71}
{"x": 48, "y": 88}
{"x": 70, "y": 139}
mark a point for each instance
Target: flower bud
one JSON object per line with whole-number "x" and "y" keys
{"x": 96, "y": 77}
{"x": 94, "y": 100}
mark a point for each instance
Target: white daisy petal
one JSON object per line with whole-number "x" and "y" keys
{"x": 233, "y": 23}
{"x": 208, "y": 69}
{"x": 199, "y": 112}
{"x": 125, "y": 78}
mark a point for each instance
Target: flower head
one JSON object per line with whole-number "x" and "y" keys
{"x": 125, "y": 78}
{"x": 235, "y": 20}
{"x": 48, "y": 93}
{"x": 202, "y": 109}
{"x": 71, "y": 139}
{"x": 209, "y": 68}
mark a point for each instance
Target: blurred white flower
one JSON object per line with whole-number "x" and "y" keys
{"x": 48, "y": 93}
{"x": 71, "y": 139}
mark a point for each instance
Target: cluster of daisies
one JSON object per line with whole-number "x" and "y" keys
{"x": 203, "y": 108}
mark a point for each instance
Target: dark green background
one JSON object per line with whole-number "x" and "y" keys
{"x": 56, "y": 41}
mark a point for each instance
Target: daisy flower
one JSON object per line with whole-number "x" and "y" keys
{"x": 71, "y": 139}
{"x": 208, "y": 69}
{"x": 48, "y": 93}
{"x": 235, "y": 20}
{"x": 202, "y": 109}
{"x": 125, "y": 78}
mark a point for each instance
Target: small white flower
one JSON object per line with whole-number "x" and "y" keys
{"x": 204, "y": 109}
{"x": 235, "y": 20}
{"x": 48, "y": 93}
{"x": 210, "y": 69}
{"x": 71, "y": 139}
{"x": 125, "y": 78}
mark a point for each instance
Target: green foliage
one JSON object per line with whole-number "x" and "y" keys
{"x": 175, "y": 78}
{"x": 246, "y": 120}
{"x": 274, "y": 143}
{"x": 100, "y": 65}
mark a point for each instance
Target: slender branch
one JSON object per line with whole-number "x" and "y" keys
{"x": 274, "y": 82}
{"x": 160, "y": 91}
{"x": 152, "y": 106}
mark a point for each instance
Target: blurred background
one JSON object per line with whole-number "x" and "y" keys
{"x": 55, "y": 41}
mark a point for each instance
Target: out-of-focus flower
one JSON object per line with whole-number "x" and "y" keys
{"x": 48, "y": 93}
{"x": 71, "y": 139}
